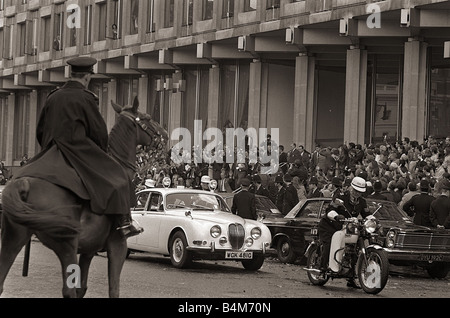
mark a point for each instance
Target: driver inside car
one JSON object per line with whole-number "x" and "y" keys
{"x": 330, "y": 226}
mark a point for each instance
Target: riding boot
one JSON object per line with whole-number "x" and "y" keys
{"x": 352, "y": 284}
{"x": 126, "y": 227}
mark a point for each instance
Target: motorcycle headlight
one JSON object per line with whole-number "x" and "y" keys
{"x": 371, "y": 225}
{"x": 390, "y": 239}
{"x": 215, "y": 231}
{"x": 256, "y": 233}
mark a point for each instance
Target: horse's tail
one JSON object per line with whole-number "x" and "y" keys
{"x": 58, "y": 221}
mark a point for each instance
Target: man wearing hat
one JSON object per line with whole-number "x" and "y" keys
{"x": 244, "y": 203}
{"x": 258, "y": 188}
{"x": 314, "y": 191}
{"x": 74, "y": 140}
{"x": 290, "y": 196}
{"x": 419, "y": 205}
{"x": 330, "y": 233}
{"x": 440, "y": 208}
{"x": 281, "y": 190}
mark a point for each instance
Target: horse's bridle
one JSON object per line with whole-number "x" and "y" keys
{"x": 137, "y": 120}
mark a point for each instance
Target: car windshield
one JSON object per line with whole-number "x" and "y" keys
{"x": 196, "y": 201}
{"x": 388, "y": 211}
{"x": 265, "y": 204}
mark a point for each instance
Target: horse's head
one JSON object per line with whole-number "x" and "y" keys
{"x": 149, "y": 132}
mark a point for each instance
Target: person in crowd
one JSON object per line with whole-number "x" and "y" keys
{"x": 283, "y": 160}
{"x": 299, "y": 185}
{"x": 376, "y": 194}
{"x": 419, "y": 205}
{"x": 314, "y": 191}
{"x": 290, "y": 197}
{"x": 281, "y": 190}
{"x": 259, "y": 189}
{"x": 244, "y": 202}
{"x": 412, "y": 191}
{"x": 440, "y": 208}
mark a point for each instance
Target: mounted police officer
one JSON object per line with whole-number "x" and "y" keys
{"x": 74, "y": 140}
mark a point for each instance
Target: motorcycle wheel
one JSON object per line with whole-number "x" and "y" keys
{"x": 374, "y": 275}
{"x": 313, "y": 262}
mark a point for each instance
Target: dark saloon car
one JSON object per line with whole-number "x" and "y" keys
{"x": 405, "y": 242}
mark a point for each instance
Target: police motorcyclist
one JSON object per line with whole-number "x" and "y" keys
{"x": 353, "y": 205}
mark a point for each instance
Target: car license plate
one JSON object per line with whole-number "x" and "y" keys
{"x": 238, "y": 255}
{"x": 431, "y": 258}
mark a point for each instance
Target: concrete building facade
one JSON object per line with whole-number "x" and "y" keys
{"x": 321, "y": 71}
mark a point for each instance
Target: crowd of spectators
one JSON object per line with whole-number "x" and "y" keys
{"x": 392, "y": 170}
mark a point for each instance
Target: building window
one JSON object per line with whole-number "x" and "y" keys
{"x": 101, "y": 26}
{"x": 272, "y": 4}
{"x": 116, "y": 26}
{"x": 9, "y": 42}
{"x": 88, "y": 25}
{"x": 32, "y": 27}
{"x": 207, "y": 9}
{"x": 234, "y": 85}
{"x": 22, "y": 31}
{"x": 228, "y": 9}
{"x": 439, "y": 112}
{"x": 127, "y": 90}
{"x": 45, "y": 33}
{"x": 169, "y": 13}
{"x": 188, "y": 7}
{"x": 59, "y": 31}
{"x": 21, "y": 125}
{"x": 3, "y": 125}
{"x": 134, "y": 18}
{"x": 195, "y": 99}
{"x": 250, "y": 5}
{"x": 151, "y": 26}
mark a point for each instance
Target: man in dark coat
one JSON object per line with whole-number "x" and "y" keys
{"x": 376, "y": 194}
{"x": 290, "y": 196}
{"x": 244, "y": 203}
{"x": 74, "y": 140}
{"x": 419, "y": 205}
{"x": 281, "y": 190}
{"x": 440, "y": 208}
{"x": 259, "y": 188}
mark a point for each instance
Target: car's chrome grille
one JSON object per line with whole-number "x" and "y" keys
{"x": 236, "y": 235}
{"x": 423, "y": 241}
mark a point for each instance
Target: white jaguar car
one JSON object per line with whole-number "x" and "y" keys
{"x": 188, "y": 224}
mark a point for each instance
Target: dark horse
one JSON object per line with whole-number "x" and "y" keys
{"x": 35, "y": 206}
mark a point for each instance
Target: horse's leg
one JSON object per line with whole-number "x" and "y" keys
{"x": 116, "y": 247}
{"x": 14, "y": 237}
{"x": 85, "y": 263}
{"x": 66, "y": 250}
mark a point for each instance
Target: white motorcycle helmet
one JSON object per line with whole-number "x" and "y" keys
{"x": 359, "y": 184}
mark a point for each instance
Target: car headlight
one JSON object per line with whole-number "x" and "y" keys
{"x": 215, "y": 231}
{"x": 371, "y": 225}
{"x": 249, "y": 242}
{"x": 390, "y": 239}
{"x": 256, "y": 233}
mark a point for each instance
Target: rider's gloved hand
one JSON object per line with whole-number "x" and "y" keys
{"x": 339, "y": 217}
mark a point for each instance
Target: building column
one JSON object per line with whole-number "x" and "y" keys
{"x": 32, "y": 123}
{"x": 111, "y": 114}
{"x": 414, "y": 90}
{"x": 9, "y": 157}
{"x": 305, "y": 70}
{"x": 213, "y": 97}
{"x": 355, "y": 96}
{"x": 254, "y": 98}
{"x": 143, "y": 93}
{"x": 176, "y": 102}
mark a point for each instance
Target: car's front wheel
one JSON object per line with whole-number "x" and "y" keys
{"x": 285, "y": 251}
{"x": 179, "y": 255}
{"x": 255, "y": 263}
{"x": 438, "y": 270}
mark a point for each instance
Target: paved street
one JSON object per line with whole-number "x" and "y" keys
{"x": 147, "y": 276}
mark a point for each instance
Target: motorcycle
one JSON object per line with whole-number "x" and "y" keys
{"x": 361, "y": 256}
